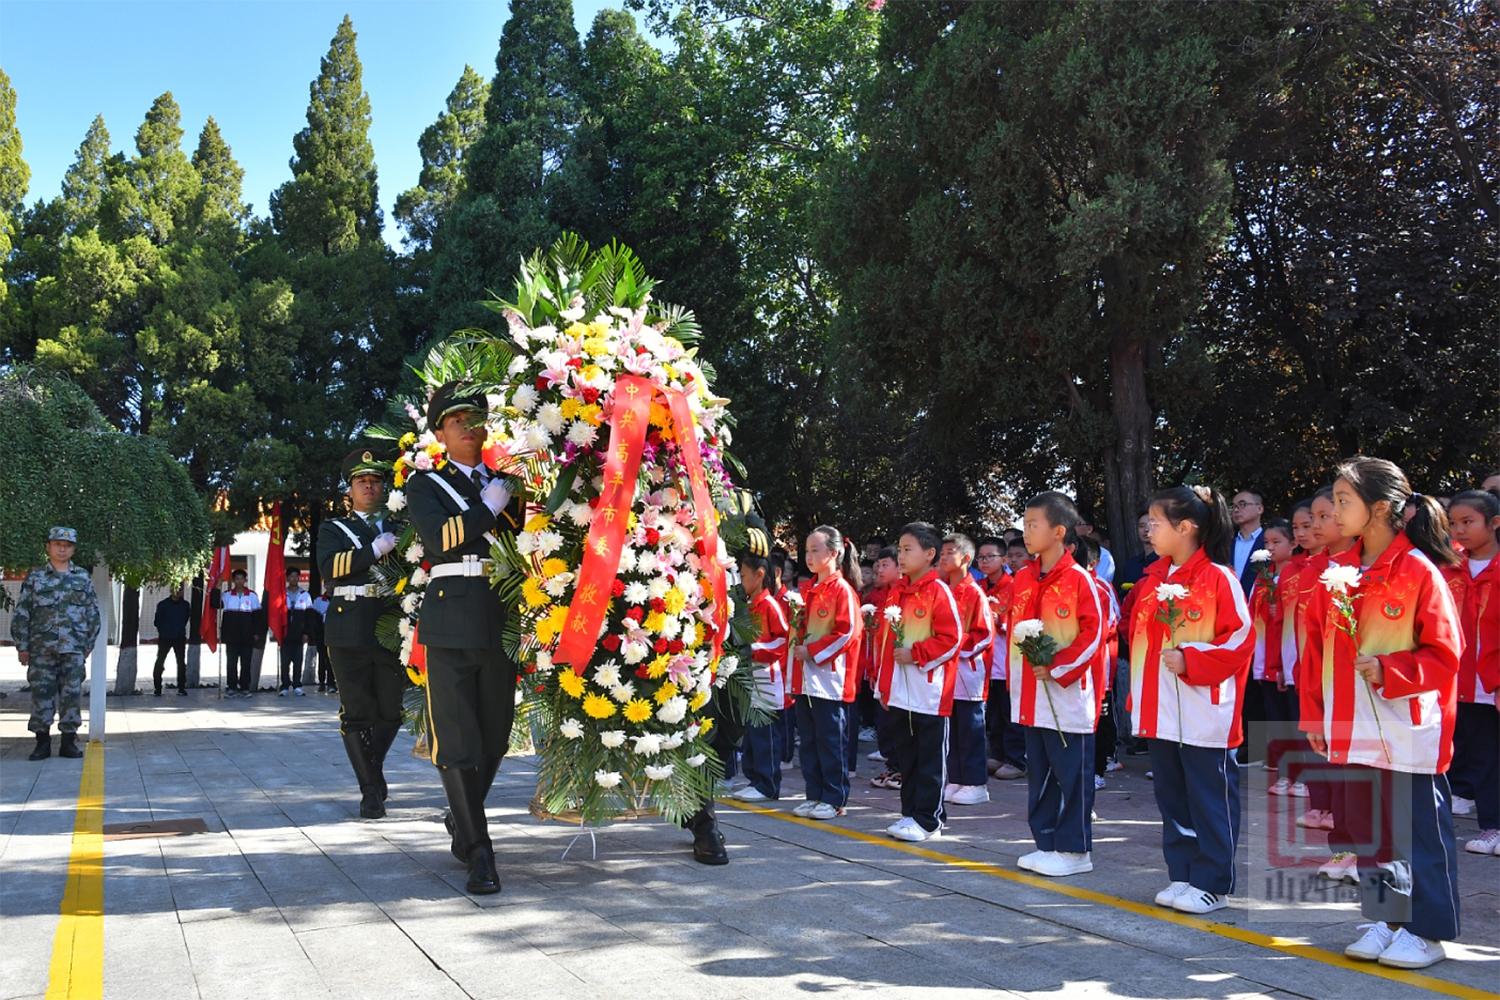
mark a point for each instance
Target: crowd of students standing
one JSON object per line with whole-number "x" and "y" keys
{"x": 1355, "y": 642}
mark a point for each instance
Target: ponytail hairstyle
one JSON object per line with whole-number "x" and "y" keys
{"x": 1207, "y": 509}
{"x": 1484, "y": 502}
{"x": 749, "y": 560}
{"x": 1060, "y": 514}
{"x": 848, "y": 559}
{"x": 1086, "y": 552}
{"x": 1375, "y": 479}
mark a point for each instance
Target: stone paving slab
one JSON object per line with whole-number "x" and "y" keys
{"x": 291, "y": 895}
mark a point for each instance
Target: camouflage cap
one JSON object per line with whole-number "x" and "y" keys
{"x": 455, "y": 397}
{"x": 63, "y": 535}
{"x": 366, "y": 462}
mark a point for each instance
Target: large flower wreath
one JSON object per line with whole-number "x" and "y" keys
{"x": 624, "y": 629}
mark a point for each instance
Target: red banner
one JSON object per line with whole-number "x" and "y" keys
{"x": 601, "y": 554}
{"x": 275, "y": 579}
{"x": 706, "y": 529}
{"x": 208, "y": 627}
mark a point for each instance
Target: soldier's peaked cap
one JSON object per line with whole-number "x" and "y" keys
{"x": 366, "y": 462}
{"x": 454, "y": 397}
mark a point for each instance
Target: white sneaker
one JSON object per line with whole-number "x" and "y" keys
{"x": 1009, "y": 772}
{"x": 914, "y": 833}
{"x": 806, "y": 808}
{"x": 1311, "y": 820}
{"x": 1028, "y": 862}
{"x": 1298, "y": 790}
{"x": 1488, "y": 842}
{"x": 969, "y": 795}
{"x": 1376, "y": 939}
{"x": 1057, "y": 864}
{"x": 1099, "y": 782}
{"x": 867, "y": 735}
{"x": 1113, "y": 765}
{"x": 1281, "y": 787}
{"x": 948, "y": 791}
{"x": 824, "y": 811}
{"x": 1461, "y": 807}
{"x": 901, "y": 824}
{"x": 281, "y": 693}
{"x": 1169, "y": 895}
{"x": 786, "y": 765}
{"x": 1198, "y": 901}
{"x": 1407, "y": 951}
{"x": 299, "y": 692}
{"x": 1342, "y": 867}
{"x": 877, "y": 755}
{"x": 750, "y": 794}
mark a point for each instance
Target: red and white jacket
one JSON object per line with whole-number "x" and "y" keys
{"x": 770, "y": 650}
{"x": 1265, "y": 612}
{"x": 831, "y": 630}
{"x": 1291, "y": 628}
{"x": 1109, "y": 641}
{"x": 999, "y": 601}
{"x": 972, "y": 682}
{"x": 1477, "y": 597}
{"x": 1201, "y": 707}
{"x": 930, "y": 625}
{"x": 1067, "y": 602}
{"x": 1407, "y": 619}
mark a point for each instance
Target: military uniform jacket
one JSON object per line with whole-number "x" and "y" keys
{"x": 458, "y": 612}
{"x": 343, "y": 563}
{"x": 56, "y": 612}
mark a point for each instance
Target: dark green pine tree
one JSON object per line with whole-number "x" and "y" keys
{"x": 513, "y": 169}
{"x": 85, "y": 183}
{"x": 155, "y": 193}
{"x": 443, "y": 146}
{"x": 221, "y": 177}
{"x": 332, "y": 205}
{"x": 15, "y": 175}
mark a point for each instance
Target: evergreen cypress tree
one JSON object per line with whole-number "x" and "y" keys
{"x": 155, "y": 194}
{"x": 221, "y": 177}
{"x": 512, "y": 170}
{"x": 85, "y": 183}
{"x": 443, "y": 146}
{"x": 15, "y": 175}
{"x": 332, "y": 205}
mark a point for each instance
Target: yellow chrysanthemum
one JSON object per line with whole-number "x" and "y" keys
{"x": 538, "y": 522}
{"x": 700, "y": 633}
{"x": 592, "y": 413}
{"x": 570, "y": 682}
{"x": 577, "y": 330}
{"x": 401, "y": 585}
{"x": 705, "y": 726}
{"x": 596, "y": 706}
{"x": 570, "y": 408}
{"x": 660, "y": 416}
{"x": 671, "y": 372}
{"x": 595, "y": 347}
{"x": 591, "y": 372}
{"x": 665, "y": 693}
{"x": 532, "y": 590}
{"x": 598, "y": 328}
{"x": 407, "y": 440}
{"x": 632, "y": 521}
{"x": 675, "y": 601}
{"x": 658, "y": 666}
{"x": 545, "y": 633}
{"x": 637, "y": 710}
{"x": 553, "y": 566}
{"x": 698, "y": 700}
{"x": 654, "y": 622}
{"x": 559, "y": 616}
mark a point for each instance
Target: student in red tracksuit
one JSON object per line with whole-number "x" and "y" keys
{"x": 1186, "y": 681}
{"x": 1007, "y": 753}
{"x": 915, "y": 678}
{"x": 761, "y": 756}
{"x": 1057, "y": 704}
{"x": 1475, "y": 516}
{"x": 1382, "y": 702}
{"x": 825, "y": 671}
{"x": 886, "y": 575}
{"x": 1105, "y": 735}
{"x": 1278, "y": 687}
{"x": 967, "y": 774}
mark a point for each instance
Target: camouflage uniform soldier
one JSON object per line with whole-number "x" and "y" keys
{"x": 55, "y": 623}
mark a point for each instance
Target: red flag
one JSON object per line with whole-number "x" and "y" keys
{"x": 275, "y": 579}
{"x": 208, "y": 628}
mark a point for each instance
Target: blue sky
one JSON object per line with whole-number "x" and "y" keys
{"x": 249, "y": 65}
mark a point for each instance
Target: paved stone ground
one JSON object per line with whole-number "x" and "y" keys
{"x": 291, "y": 895}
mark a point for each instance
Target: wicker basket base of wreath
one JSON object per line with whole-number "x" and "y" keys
{"x": 573, "y": 816}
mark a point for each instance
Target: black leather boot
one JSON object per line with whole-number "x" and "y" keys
{"x": 381, "y": 738}
{"x": 370, "y": 806}
{"x": 69, "y": 746}
{"x": 470, "y": 829}
{"x": 708, "y": 842}
{"x": 43, "y": 746}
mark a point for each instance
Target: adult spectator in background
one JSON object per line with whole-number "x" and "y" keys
{"x": 171, "y": 636}
{"x": 1246, "y": 510}
{"x": 1126, "y": 578}
{"x": 1105, "y": 568}
{"x": 294, "y": 640}
{"x": 237, "y": 629}
{"x": 1131, "y": 571}
{"x": 320, "y": 638}
{"x": 1491, "y": 482}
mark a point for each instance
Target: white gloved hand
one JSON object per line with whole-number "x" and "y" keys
{"x": 383, "y": 543}
{"x": 495, "y": 496}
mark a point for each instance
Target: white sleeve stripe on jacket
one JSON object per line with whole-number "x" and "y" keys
{"x": 1058, "y": 670}
{"x": 834, "y": 647}
{"x": 953, "y": 606}
{"x": 763, "y": 647}
{"x": 1241, "y": 634}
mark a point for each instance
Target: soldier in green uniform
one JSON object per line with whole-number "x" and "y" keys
{"x": 471, "y": 682}
{"x": 370, "y": 679}
{"x": 54, "y": 627}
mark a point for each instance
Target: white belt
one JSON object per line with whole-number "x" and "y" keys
{"x": 471, "y": 566}
{"x": 355, "y": 593}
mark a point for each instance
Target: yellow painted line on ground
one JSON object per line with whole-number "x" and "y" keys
{"x": 1281, "y": 945}
{"x": 77, "y": 971}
